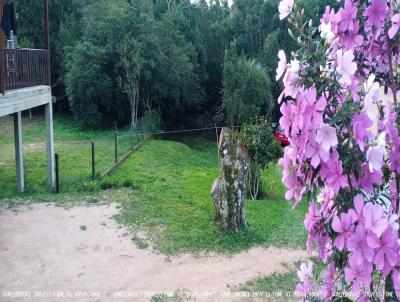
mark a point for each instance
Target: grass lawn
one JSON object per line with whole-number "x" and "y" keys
{"x": 171, "y": 182}
{"x": 72, "y": 145}
{"x": 164, "y": 188}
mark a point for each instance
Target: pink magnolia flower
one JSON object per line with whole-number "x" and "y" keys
{"x": 312, "y": 217}
{"x": 364, "y": 231}
{"x": 329, "y": 15}
{"x": 358, "y": 245}
{"x": 376, "y": 13}
{"x": 395, "y": 27}
{"x": 288, "y": 114}
{"x": 332, "y": 173}
{"x": 317, "y": 154}
{"x": 375, "y": 158}
{"x": 346, "y": 16}
{"x": 295, "y": 189}
{"x": 358, "y": 272}
{"x": 344, "y": 227}
{"x": 326, "y": 137}
{"x": 361, "y": 123}
{"x": 329, "y": 288}
{"x": 346, "y": 66}
{"x": 310, "y": 109}
{"x": 387, "y": 249}
{"x": 305, "y": 272}
{"x": 326, "y": 31}
{"x": 396, "y": 280}
{"x": 303, "y": 289}
{"x": 282, "y": 64}
{"x": 372, "y": 96}
{"x": 357, "y": 214}
{"x": 285, "y": 8}
{"x": 368, "y": 179}
{"x": 352, "y": 39}
{"x": 289, "y": 81}
{"x": 394, "y": 157}
{"x": 375, "y": 219}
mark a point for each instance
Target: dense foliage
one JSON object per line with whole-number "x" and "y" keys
{"x": 190, "y": 54}
{"x": 246, "y": 88}
{"x": 340, "y": 110}
{"x": 258, "y": 138}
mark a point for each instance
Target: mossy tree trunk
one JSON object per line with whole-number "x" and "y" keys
{"x": 229, "y": 189}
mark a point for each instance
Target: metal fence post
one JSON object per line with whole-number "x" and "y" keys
{"x": 93, "y": 162}
{"x": 57, "y": 167}
{"x": 116, "y": 147}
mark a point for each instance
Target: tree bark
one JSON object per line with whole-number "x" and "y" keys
{"x": 229, "y": 189}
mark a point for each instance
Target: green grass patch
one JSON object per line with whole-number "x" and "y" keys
{"x": 164, "y": 188}
{"x": 284, "y": 283}
{"x": 73, "y": 146}
{"x": 171, "y": 200}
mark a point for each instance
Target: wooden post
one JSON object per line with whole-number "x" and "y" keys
{"x": 19, "y": 152}
{"x": 57, "y": 170}
{"x": 50, "y": 145}
{"x": 47, "y": 34}
{"x": 93, "y": 162}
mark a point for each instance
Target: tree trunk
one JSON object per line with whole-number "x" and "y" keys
{"x": 254, "y": 180}
{"x": 229, "y": 189}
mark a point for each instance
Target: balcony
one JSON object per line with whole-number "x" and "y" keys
{"x": 23, "y": 68}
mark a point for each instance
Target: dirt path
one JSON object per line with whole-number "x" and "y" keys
{"x": 46, "y": 248}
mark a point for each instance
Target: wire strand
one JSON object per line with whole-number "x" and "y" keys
{"x": 178, "y": 131}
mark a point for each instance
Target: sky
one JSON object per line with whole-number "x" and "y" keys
{"x": 230, "y": 1}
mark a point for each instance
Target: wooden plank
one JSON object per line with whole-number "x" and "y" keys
{"x": 123, "y": 158}
{"x": 24, "y": 99}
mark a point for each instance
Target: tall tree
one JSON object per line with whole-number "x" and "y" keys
{"x": 246, "y": 88}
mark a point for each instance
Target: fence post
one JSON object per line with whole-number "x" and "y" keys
{"x": 116, "y": 147}
{"x": 57, "y": 166}
{"x": 93, "y": 162}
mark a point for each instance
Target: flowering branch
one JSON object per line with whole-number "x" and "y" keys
{"x": 342, "y": 125}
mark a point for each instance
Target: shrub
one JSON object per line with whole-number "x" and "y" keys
{"x": 258, "y": 138}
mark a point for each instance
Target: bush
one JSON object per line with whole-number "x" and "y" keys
{"x": 258, "y": 138}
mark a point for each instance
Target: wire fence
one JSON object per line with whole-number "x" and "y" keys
{"x": 82, "y": 157}
{"x": 84, "y": 160}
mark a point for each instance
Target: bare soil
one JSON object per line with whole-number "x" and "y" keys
{"x": 82, "y": 254}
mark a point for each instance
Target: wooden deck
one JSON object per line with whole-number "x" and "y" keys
{"x": 13, "y": 102}
{"x": 18, "y": 100}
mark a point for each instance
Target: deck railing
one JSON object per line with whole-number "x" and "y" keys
{"x": 21, "y": 68}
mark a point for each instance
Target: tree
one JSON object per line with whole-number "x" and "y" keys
{"x": 340, "y": 111}
{"x": 89, "y": 89}
{"x": 229, "y": 189}
{"x": 185, "y": 43}
{"x": 245, "y": 88}
{"x": 129, "y": 82}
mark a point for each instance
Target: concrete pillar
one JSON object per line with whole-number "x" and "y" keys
{"x": 50, "y": 145}
{"x": 19, "y": 151}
